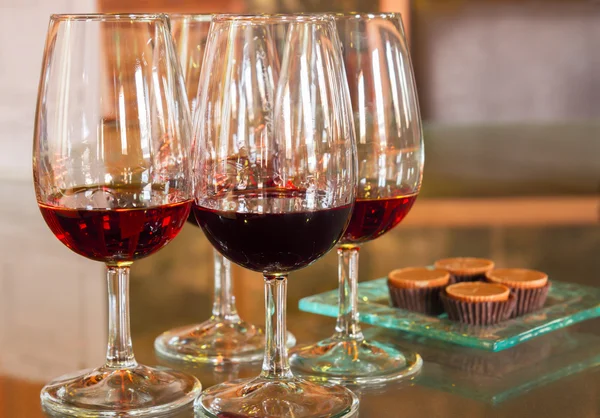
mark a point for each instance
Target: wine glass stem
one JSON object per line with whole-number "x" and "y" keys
{"x": 347, "y": 326}
{"x": 224, "y": 302}
{"x": 275, "y": 364}
{"x": 119, "y": 354}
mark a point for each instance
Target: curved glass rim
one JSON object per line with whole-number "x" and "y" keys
{"x": 196, "y": 17}
{"x": 110, "y": 16}
{"x": 363, "y": 15}
{"x": 275, "y": 18}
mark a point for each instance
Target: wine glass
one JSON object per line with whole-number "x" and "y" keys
{"x": 274, "y": 183}
{"x": 113, "y": 182}
{"x": 390, "y": 165}
{"x": 224, "y": 337}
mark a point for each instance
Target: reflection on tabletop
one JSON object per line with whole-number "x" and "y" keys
{"x": 495, "y": 377}
{"x": 213, "y": 374}
{"x": 187, "y": 412}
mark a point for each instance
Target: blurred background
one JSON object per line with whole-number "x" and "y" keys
{"x": 510, "y": 98}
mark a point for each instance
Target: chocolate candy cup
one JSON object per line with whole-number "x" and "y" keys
{"x": 465, "y": 269}
{"x": 530, "y": 300}
{"x": 424, "y": 300}
{"x": 478, "y": 313}
{"x": 459, "y": 278}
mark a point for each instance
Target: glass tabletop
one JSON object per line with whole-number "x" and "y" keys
{"x": 555, "y": 375}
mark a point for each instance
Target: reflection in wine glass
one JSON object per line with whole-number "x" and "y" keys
{"x": 274, "y": 183}
{"x": 390, "y": 165}
{"x": 224, "y": 337}
{"x": 112, "y": 179}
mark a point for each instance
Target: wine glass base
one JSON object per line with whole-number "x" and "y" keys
{"x": 215, "y": 341}
{"x": 260, "y": 397}
{"x": 132, "y": 392}
{"x": 354, "y": 362}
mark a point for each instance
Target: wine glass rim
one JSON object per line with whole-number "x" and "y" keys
{"x": 274, "y": 18}
{"x": 197, "y": 17}
{"x": 109, "y": 16}
{"x": 366, "y": 16}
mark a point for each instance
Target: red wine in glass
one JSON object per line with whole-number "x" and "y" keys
{"x": 191, "y": 219}
{"x": 285, "y": 237}
{"x": 115, "y": 235}
{"x": 372, "y": 218}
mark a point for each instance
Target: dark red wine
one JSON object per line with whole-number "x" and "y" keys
{"x": 284, "y": 237}
{"x": 191, "y": 219}
{"x": 116, "y": 235}
{"x": 372, "y": 218}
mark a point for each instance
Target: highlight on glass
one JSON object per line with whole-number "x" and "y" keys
{"x": 224, "y": 337}
{"x": 390, "y": 165}
{"x": 111, "y": 168}
{"x": 274, "y": 183}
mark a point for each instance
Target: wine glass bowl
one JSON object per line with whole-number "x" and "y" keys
{"x": 274, "y": 183}
{"x": 390, "y": 165}
{"x": 288, "y": 173}
{"x": 112, "y": 179}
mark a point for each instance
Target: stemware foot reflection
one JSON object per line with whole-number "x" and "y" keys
{"x": 358, "y": 362}
{"x": 215, "y": 341}
{"x": 123, "y": 392}
{"x": 260, "y": 397}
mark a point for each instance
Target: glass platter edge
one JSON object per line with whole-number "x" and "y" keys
{"x": 568, "y": 303}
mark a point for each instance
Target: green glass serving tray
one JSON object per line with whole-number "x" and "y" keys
{"x": 567, "y": 304}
